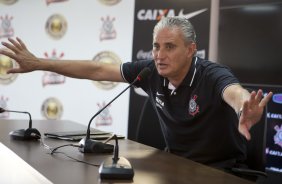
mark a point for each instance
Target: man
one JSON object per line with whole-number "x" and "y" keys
{"x": 196, "y": 100}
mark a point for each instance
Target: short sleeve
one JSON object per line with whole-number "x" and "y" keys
{"x": 130, "y": 70}
{"x": 220, "y": 78}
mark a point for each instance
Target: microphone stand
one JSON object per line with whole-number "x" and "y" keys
{"x": 22, "y": 134}
{"x": 87, "y": 145}
{"x": 116, "y": 167}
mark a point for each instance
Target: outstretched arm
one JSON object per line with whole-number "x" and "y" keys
{"x": 72, "y": 68}
{"x": 250, "y": 106}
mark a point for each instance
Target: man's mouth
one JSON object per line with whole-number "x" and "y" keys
{"x": 162, "y": 65}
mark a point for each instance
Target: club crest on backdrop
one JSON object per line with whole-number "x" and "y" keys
{"x": 56, "y": 26}
{"x": 108, "y": 31}
{"x": 6, "y": 29}
{"x": 48, "y": 2}
{"x": 50, "y": 78}
{"x": 7, "y": 63}
{"x": 52, "y": 108}
{"x": 109, "y": 2}
{"x": 8, "y": 2}
{"x": 104, "y": 118}
{"x": 110, "y": 58}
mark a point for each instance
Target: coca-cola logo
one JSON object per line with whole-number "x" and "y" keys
{"x": 144, "y": 54}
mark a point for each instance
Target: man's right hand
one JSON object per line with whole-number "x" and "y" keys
{"x": 19, "y": 52}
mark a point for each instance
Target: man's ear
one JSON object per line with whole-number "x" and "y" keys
{"x": 192, "y": 49}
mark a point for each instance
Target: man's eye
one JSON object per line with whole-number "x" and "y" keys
{"x": 170, "y": 46}
{"x": 156, "y": 47}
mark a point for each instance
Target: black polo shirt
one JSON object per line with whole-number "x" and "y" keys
{"x": 195, "y": 120}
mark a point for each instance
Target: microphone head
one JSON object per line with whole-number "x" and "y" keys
{"x": 143, "y": 74}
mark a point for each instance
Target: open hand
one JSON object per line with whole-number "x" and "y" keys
{"x": 252, "y": 111}
{"x": 18, "y": 51}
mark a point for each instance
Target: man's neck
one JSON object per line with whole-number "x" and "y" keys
{"x": 174, "y": 82}
{"x": 177, "y": 80}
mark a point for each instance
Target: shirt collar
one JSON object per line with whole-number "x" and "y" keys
{"x": 189, "y": 78}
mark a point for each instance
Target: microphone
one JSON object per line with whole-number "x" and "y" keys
{"x": 87, "y": 145}
{"x": 22, "y": 134}
{"x": 116, "y": 167}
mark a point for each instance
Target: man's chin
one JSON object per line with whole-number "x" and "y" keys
{"x": 162, "y": 73}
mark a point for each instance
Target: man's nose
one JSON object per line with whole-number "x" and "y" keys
{"x": 161, "y": 53}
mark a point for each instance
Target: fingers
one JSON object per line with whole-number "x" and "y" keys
{"x": 252, "y": 100}
{"x": 7, "y": 53}
{"x": 21, "y": 43}
{"x": 10, "y": 46}
{"x": 265, "y": 100}
{"x": 258, "y": 96}
{"x": 16, "y": 44}
{"x": 260, "y": 100}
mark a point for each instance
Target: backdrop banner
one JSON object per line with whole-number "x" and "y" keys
{"x": 97, "y": 31}
{"x": 147, "y": 14}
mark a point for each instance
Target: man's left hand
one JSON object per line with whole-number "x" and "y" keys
{"x": 252, "y": 111}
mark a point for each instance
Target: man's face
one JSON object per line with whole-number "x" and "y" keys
{"x": 172, "y": 56}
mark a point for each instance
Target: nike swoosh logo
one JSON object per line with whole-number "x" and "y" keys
{"x": 192, "y": 14}
{"x": 159, "y": 94}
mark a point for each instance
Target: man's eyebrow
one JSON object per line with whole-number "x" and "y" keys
{"x": 169, "y": 43}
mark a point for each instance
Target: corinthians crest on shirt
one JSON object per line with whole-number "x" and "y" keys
{"x": 51, "y": 77}
{"x": 193, "y": 106}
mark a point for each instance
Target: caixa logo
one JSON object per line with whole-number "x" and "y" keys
{"x": 277, "y": 98}
{"x": 157, "y": 14}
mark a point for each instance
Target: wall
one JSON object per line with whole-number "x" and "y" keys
{"x": 92, "y": 28}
